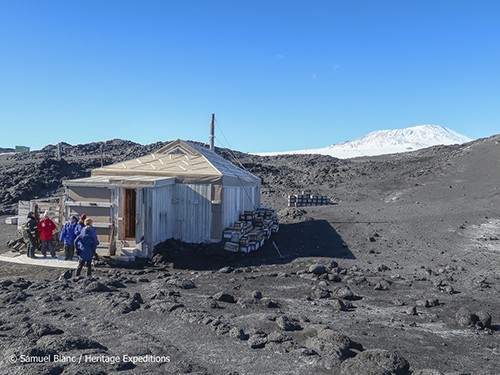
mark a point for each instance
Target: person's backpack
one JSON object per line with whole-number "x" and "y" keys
{"x": 25, "y": 230}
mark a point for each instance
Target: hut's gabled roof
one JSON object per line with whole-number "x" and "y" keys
{"x": 184, "y": 161}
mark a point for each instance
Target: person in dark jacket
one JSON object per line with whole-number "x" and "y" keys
{"x": 31, "y": 231}
{"x": 86, "y": 246}
{"x": 68, "y": 237}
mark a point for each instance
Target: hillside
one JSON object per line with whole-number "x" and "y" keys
{"x": 6, "y": 150}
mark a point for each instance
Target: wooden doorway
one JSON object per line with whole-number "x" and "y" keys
{"x": 129, "y": 213}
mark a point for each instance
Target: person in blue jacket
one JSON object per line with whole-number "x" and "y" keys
{"x": 68, "y": 237}
{"x": 80, "y": 225}
{"x": 88, "y": 223}
{"x": 86, "y": 246}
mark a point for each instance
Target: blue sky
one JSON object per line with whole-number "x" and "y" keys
{"x": 279, "y": 75}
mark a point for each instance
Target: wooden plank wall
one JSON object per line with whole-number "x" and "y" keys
{"x": 39, "y": 206}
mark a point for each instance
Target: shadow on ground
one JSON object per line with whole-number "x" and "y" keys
{"x": 314, "y": 238}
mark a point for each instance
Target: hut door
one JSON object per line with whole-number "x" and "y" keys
{"x": 130, "y": 213}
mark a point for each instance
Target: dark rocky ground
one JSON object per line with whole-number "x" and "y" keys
{"x": 400, "y": 276}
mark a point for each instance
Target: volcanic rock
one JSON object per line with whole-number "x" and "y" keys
{"x": 376, "y": 362}
{"x": 224, "y": 297}
{"x": 317, "y": 269}
{"x": 286, "y": 324}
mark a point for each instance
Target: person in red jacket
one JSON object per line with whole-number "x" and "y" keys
{"x": 46, "y": 227}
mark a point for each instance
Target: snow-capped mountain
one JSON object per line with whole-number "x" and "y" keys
{"x": 383, "y": 142}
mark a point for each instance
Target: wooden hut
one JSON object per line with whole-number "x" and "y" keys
{"x": 183, "y": 191}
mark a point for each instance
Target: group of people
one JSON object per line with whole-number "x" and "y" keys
{"x": 78, "y": 236}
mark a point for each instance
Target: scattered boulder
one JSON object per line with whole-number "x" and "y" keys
{"x": 321, "y": 293}
{"x": 465, "y": 318}
{"x": 268, "y": 302}
{"x": 163, "y": 307}
{"x": 277, "y": 337}
{"x": 332, "y": 353}
{"x": 286, "y": 324}
{"x": 6, "y": 282}
{"x": 115, "y": 283}
{"x": 21, "y": 283}
{"x": 432, "y": 302}
{"x": 222, "y": 329}
{"x": 182, "y": 283}
{"x": 210, "y": 304}
{"x": 137, "y": 297}
{"x": 317, "y": 269}
{"x": 338, "y": 305}
{"x": 66, "y": 275}
{"x": 422, "y": 303}
{"x": 257, "y": 294}
{"x": 427, "y": 302}
{"x": 257, "y": 341}
{"x": 238, "y": 333}
{"x": 246, "y": 303}
{"x": 330, "y": 335}
{"x": 484, "y": 319}
{"x": 45, "y": 329}
{"x": 291, "y": 213}
{"x": 13, "y": 298}
{"x": 224, "y": 297}
{"x": 323, "y": 284}
{"x": 96, "y": 287}
{"x": 123, "y": 302}
{"x": 227, "y": 269}
{"x": 376, "y": 362}
{"x": 412, "y": 310}
{"x": 334, "y": 277}
{"x": 345, "y": 292}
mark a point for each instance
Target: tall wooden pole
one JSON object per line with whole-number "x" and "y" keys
{"x": 59, "y": 151}
{"x": 102, "y": 154}
{"x": 212, "y": 132}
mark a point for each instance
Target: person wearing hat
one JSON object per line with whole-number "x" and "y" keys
{"x": 80, "y": 225}
{"x": 68, "y": 237}
{"x": 31, "y": 232}
{"x": 86, "y": 246}
{"x": 46, "y": 227}
{"x": 93, "y": 232}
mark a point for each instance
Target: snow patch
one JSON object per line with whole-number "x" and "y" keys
{"x": 383, "y": 142}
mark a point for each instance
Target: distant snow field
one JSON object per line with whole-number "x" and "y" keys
{"x": 383, "y": 142}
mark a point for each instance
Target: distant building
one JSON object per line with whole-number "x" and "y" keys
{"x": 182, "y": 191}
{"x": 22, "y": 149}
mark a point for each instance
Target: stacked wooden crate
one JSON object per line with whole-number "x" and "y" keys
{"x": 307, "y": 198}
{"x": 252, "y": 230}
